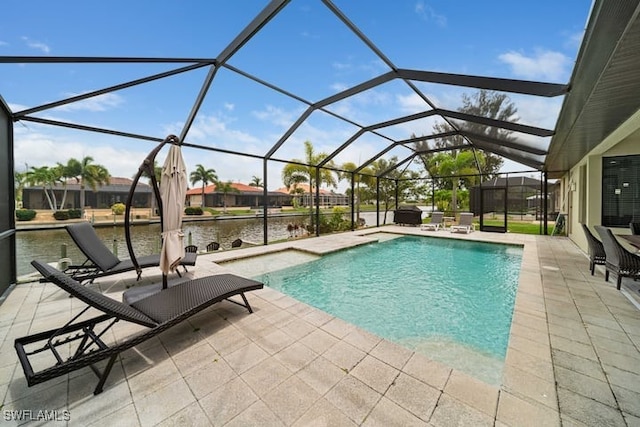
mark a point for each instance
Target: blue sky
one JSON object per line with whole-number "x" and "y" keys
{"x": 306, "y": 50}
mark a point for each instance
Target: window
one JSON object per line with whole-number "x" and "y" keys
{"x": 620, "y": 190}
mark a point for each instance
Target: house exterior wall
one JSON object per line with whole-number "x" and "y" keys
{"x": 587, "y": 192}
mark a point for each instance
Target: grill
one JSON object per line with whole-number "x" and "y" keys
{"x": 411, "y": 215}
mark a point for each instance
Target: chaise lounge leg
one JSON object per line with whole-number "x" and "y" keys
{"x": 606, "y": 275}
{"x": 246, "y": 303}
{"x": 105, "y": 374}
{"x": 619, "y": 281}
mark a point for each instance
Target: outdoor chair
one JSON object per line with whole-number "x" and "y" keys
{"x": 465, "y": 225}
{"x": 619, "y": 261}
{"x": 213, "y": 246}
{"x": 102, "y": 262}
{"x": 83, "y": 339}
{"x": 597, "y": 254}
{"x": 191, "y": 249}
{"x": 635, "y": 228}
{"x": 436, "y": 222}
{"x": 236, "y": 243}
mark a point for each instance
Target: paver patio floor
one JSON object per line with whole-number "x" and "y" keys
{"x": 573, "y": 357}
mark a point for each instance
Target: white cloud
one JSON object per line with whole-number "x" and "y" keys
{"x": 543, "y": 64}
{"x": 37, "y": 45}
{"x": 35, "y": 148}
{"x": 427, "y": 13}
{"x": 107, "y": 101}
{"x": 3, "y": 43}
{"x": 229, "y": 106}
{"x": 276, "y": 115}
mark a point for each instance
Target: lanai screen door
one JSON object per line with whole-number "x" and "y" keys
{"x": 493, "y": 209}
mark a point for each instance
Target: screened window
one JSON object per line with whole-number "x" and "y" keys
{"x": 620, "y": 190}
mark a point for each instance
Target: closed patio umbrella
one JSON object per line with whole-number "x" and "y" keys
{"x": 173, "y": 188}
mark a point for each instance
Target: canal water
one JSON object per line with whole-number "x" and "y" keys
{"x": 46, "y": 245}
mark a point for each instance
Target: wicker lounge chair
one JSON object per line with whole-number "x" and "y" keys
{"x": 619, "y": 261}
{"x": 157, "y": 312}
{"x": 213, "y": 246}
{"x": 465, "y": 225}
{"x": 102, "y": 262}
{"x": 635, "y": 228}
{"x": 436, "y": 222}
{"x": 597, "y": 254}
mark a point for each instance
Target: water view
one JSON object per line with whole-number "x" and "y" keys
{"x": 45, "y": 245}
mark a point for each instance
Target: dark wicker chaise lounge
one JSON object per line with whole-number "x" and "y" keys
{"x": 619, "y": 261}
{"x": 102, "y": 262}
{"x": 158, "y": 312}
{"x": 596, "y": 249}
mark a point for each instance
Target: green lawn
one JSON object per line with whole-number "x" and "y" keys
{"x": 520, "y": 227}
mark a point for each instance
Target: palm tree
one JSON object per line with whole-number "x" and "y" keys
{"x": 19, "y": 180}
{"x": 66, "y": 172}
{"x": 305, "y": 172}
{"x": 45, "y": 177}
{"x": 203, "y": 175}
{"x": 453, "y": 165}
{"x": 225, "y": 188}
{"x": 256, "y": 182}
{"x": 86, "y": 173}
{"x": 363, "y": 177}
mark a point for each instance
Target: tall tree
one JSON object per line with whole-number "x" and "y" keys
{"x": 87, "y": 173}
{"x": 364, "y": 177}
{"x": 45, "y": 177}
{"x": 203, "y": 175}
{"x": 451, "y": 165}
{"x": 66, "y": 172}
{"x": 225, "y": 188}
{"x": 402, "y": 181}
{"x": 483, "y": 103}
{"x": 19, "y": 180}
{"x": 304, "y": 171}
{"x": 256, "y": 182}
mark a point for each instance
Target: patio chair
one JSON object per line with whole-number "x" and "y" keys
{"x": 82, "y": 340}
{"x": 597, "y": 254}
{"x": 635, "y": 228}
{"x": 619, "y": 261}
{"x": 102, "y": 262}
{"x": 213, "y": 246}
{"x": 465, "y": 225}
{"x": 190, "y": 249}
{"x": 436, "y": 222}
{"x": 236, "y": 243}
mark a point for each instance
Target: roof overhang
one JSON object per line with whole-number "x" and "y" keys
{"x": 605, "y": 85}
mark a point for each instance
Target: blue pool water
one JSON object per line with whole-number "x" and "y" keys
{"x": 415, "y": 290}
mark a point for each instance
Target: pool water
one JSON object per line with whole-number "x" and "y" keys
{"x": 449, "y": 298}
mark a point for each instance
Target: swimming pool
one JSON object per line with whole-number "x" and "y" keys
{"x": 450, "y": 299}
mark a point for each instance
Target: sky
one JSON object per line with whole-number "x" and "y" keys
{"x": 305, "y": 50}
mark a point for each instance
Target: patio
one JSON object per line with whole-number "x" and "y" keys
{"x": 573, "y": 357}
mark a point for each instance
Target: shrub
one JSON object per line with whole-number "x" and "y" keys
{"x": 61, "y": 215}
{"x": 193, "y": 210}
{"x": 74, "y": 213}
{"x": 118, "y": 208}
{"x": 25, "y": 214}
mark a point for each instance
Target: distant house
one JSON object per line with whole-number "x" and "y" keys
{"x": 245, "y": 195}
{"x": 328, "y": 198}
{"x": 104, "y": 197}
